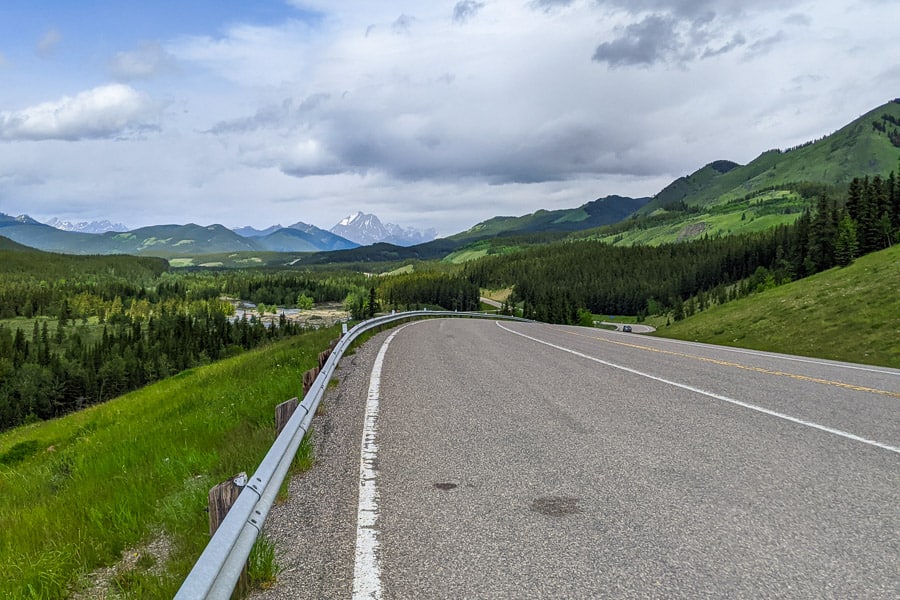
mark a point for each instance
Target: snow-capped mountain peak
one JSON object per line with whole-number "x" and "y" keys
{"x": 85, "y": 226}
{"x": 346, "y": 221}
{"x": 366, "y": 229}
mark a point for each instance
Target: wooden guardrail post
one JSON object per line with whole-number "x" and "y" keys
{"x": 283, "y": 413}
{"x": 309, "y": 378}
{"x": 221, "y": 498}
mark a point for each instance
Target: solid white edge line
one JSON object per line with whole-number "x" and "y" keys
{"x": 367, "y": 568}
{"x": 812, "y": 361}
{"x": 767, "y": 411}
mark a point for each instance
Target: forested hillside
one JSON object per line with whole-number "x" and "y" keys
{"x": 553, "y": 282}
{"x": 75, "y": 331}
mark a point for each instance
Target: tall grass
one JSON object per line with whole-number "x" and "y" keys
{"x": 113, "y": 476}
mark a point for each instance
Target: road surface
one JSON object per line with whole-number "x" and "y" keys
{"x": 523, "y": 460}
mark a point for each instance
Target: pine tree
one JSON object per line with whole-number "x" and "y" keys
{"x": 822, "y": 235}
{"x": 846, "y": 245}
{"x": 854, "y": 198}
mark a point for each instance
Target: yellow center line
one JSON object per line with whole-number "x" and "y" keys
{"x": 726, "y": 363}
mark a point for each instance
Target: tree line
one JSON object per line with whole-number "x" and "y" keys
{"x": 98, "y": 327}
{"x": 552, "y": 283}
{"x": 58, "y": 370}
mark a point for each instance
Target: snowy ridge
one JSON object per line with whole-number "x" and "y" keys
{"x": 86, "y": 226}
{"x": 366, "y": 229}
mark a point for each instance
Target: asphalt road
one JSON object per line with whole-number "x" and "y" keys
{"x": 520, "y": 460}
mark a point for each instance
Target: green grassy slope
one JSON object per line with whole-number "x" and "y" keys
{"x": 602, "y": 211}
{"x": 850, "y": 314}
{"x": 856, "y": 150}
{"x": 746, "y": 215}
{"x": 78, "y": 491}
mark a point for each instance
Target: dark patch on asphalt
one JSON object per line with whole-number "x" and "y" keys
{"x": 445, "y": 486}
{"x": 555, "y": 506}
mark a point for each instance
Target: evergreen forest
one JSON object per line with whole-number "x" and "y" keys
{"x": 75, "y": 331}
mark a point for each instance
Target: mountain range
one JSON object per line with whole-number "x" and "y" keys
{"x": 366, "y": 229}
{"x": 85, "y": 226}
{"x": 772, "y": 189}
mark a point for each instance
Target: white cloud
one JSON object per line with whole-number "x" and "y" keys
{"x": 46, "y": 46}
{"x": 148, "y": 60}
{"x": 102, "y": 112}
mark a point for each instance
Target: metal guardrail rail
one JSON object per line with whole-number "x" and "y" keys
{"x": 215, "y": 574}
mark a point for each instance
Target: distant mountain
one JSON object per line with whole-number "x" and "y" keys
{"x": 158, "y": 240}
{"x": 170, "y": 240}
{"x": 86, "y": 226}
{"x": 302, "y": 237}
{"x": 251, "y": 232}
{"x": 408, "y": 236}
{"x": 603, "y": 211}
{"x": 299, "y": 237}
{"x": 366, "y": 229}
{"x": 28, "y": 232}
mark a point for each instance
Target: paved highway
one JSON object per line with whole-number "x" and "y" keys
{"x": 520, "y": 460}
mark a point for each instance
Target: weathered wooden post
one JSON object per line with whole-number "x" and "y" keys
{"x": 283, "y": 413}
{"x": 309, "y": 378}
{"x": 221, "y": 499}
{"x": 323, "y": 356}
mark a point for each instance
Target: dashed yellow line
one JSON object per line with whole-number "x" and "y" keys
{"x": 725, "y": 363}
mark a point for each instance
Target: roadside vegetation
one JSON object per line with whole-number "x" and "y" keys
{"x": 78, "y": 492}
{"x": 846, "y": 313}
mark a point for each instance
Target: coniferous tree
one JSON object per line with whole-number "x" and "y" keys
{"x": 822, "y": 236}
{"x": 846, "y": 245}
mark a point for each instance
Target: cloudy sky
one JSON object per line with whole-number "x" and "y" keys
{"x": 428, "y": 114}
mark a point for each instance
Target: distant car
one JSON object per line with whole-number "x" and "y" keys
{"x": 626, "y": 328}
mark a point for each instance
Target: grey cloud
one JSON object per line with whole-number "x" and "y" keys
{"x": 548, "y": 5}
{"x": 286, "y": 115}
{"x": 143, "y": 63}
{"x": 465, "y": 10}
{"x": 693, "y": 9}
{"x": 736, "y": 41}
{"x": 678, "y": 31}
{"x": 355, "y": 141}
{"x": 402, "y": 24}
{"x": 799, "y": 19}
{"x": 766, "y": 44}
{"x": 645, "y": 43}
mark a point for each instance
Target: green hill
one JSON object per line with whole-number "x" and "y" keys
{"x": 603, "y": 211}
{"x": 18, "y": 261}
{"x": 850, "y": 314}
{"x": 725, "y": 198}
{"x": 868, "y": 146}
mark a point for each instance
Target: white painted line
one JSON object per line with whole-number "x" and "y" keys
{"x": 763, "y": 354}
{"x": 767, "y": 411}
{"x": 367, "y": 569}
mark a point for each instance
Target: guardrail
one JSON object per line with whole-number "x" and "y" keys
{"x": 216, "y": 572}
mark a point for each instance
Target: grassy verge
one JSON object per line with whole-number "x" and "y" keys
{"x": 850, "y": 314}
{"x": 76, "y": 492}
